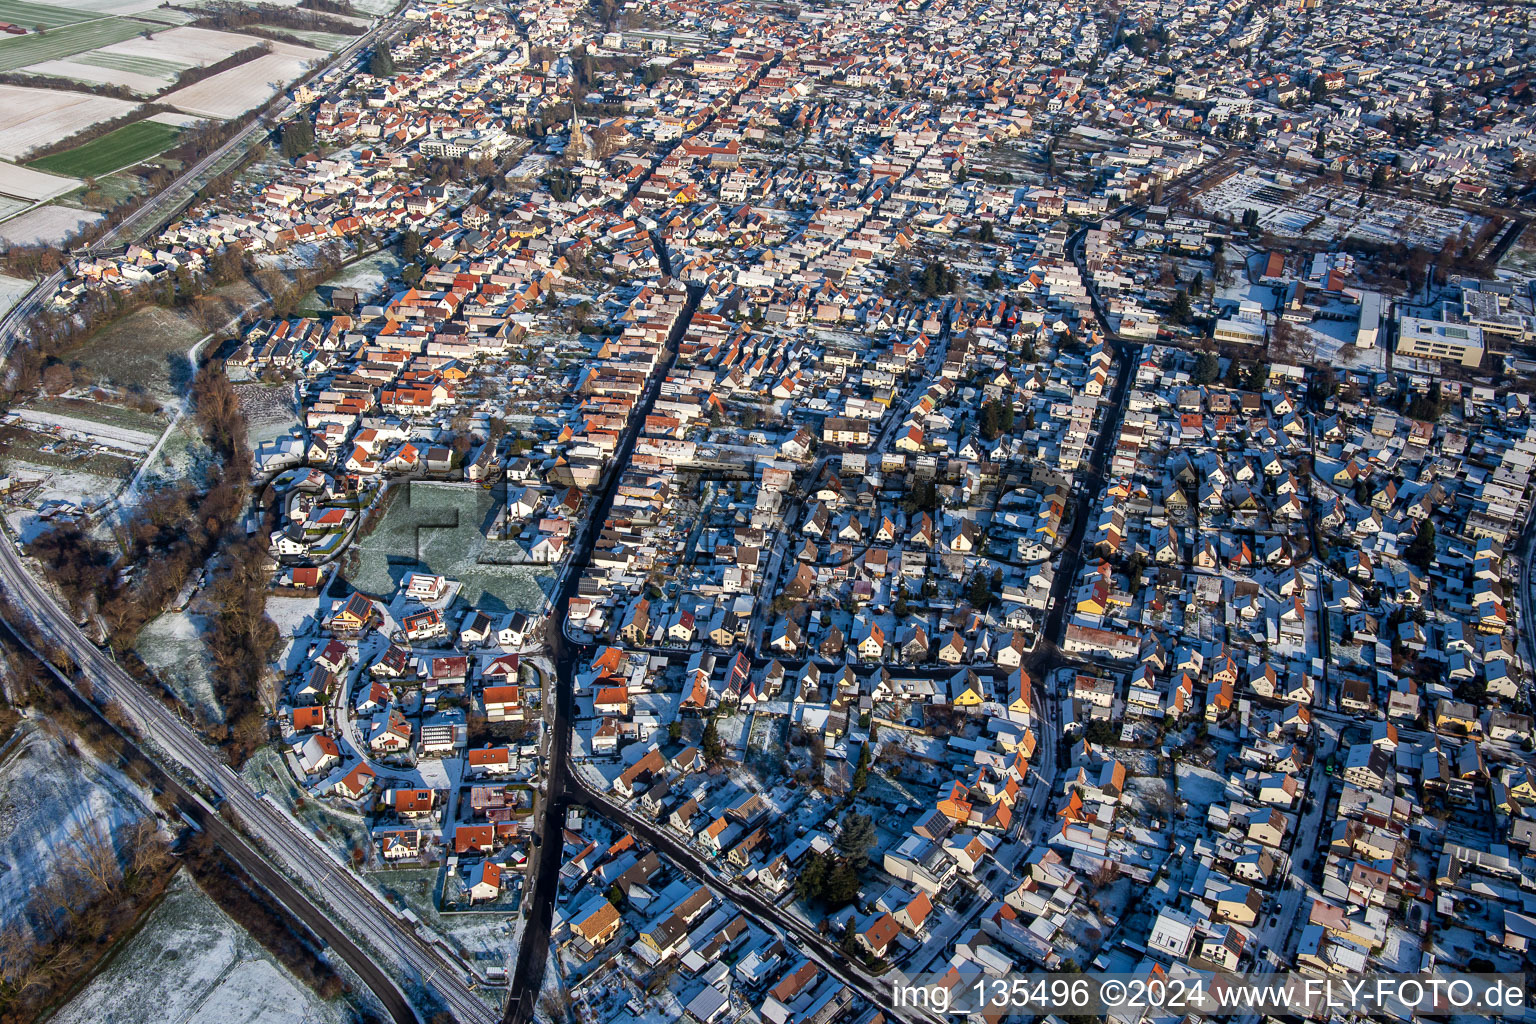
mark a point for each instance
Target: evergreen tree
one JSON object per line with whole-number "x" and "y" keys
{"x": 298, "y": 138}
{"x": 1422, "y": 551}
{"x": 383, "y": 63}
{"x": 711, "y": 747}
{"x": 1180, "y": 310}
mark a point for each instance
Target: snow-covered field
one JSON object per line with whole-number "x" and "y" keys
{"x": 192, "y": 962}
{"x": 33, "y": 186}
{"x": 123, "y": 7}
{"x": 233, "y": 92}
{"x": 96, "y": 74}
{"x": 50, "y": 224}
{"x": 46, "y": 791}
{"x": 174, "y": 119}
{"x": 30, "y": 118}
{"x": 11, "y": 291}
{"x": 188, "y": 47}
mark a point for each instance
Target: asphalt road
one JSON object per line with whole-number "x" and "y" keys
{"x": 533, "y": 952}
{"x": 754, "y": 904}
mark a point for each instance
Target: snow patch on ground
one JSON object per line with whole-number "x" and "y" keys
{"x": 47, "y": 790}
{"x": 172, "y": 645}
{"x": 192, "y": 962}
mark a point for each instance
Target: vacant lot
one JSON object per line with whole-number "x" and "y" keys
{"x": 32, "y": 48}
{"x": 143, "y": 352}
{"x": 233, "y": 92}
{"x": 122, "y": 148}
{"x": 440, "y": 528}
{"x": 30, "y": 118}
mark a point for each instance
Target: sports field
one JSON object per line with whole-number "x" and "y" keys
{"x": 128, "y": 145}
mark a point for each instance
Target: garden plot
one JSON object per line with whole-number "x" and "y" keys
{"x": 1331, "y": 212}
{"x": 88, "y": 431}
{"x": 46, "y": 225}
{"x": 270, "y": 412}
{"x": 46, "y": 791}
{"x": 31, "y": 185}
{"x": 30, "y": 118}
{"x": 440, "y": 528}
{"x": 233, "y": 92}
{"x": 47, "y": 474}
{"x": 191, "y": 961}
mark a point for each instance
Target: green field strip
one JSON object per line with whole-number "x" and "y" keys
{"x": 30, "y": 16}
{"x": 19, "y": 51}
{"x": 128, "y": 145}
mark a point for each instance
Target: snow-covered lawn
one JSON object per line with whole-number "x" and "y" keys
{"x": 1200, "y": 786}
{"x": 192, "y": 962}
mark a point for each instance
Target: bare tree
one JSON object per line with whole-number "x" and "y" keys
{"x": 147, "y": 850}
{"x": 92, "y": 854}
{"x": 17, "y": 951}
